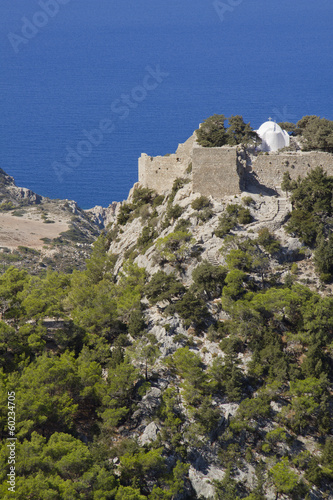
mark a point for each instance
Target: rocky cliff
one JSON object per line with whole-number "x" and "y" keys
{"x": 38, "y": 233}
{"x": 195, "y": 240}
{"x": 191, "y": 359}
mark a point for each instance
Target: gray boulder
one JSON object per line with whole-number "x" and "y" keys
{"x": 150, "y": 434}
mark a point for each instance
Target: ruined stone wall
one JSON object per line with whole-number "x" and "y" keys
{"x": 159, "y": 172}
{"x": 215, "y": 171}
{"x": 225, "y": 171}
{"x": 269, "y": 169}
{"x": 185, "y": 150}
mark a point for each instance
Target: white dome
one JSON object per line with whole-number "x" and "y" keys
{"x": 267, "y": 126}
{"x": 273, "y": 137}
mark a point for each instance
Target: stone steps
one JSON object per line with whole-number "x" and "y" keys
{"x": 274, "y": 218}
{"x": 212, "y": 258}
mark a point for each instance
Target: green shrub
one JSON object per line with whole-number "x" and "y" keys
{"x": 327, "y": 454}
{"x": 163, "y": 286}
{"x": 180, "y": 338}
{"x": 177, "y": 185}
{"x": 136, "y": 324}
{"x": 200, "y": 203}
{"x": 189, "y": 168}
{"x": 317, "y": 133}
{"x": 238, "y": 259}
{"x": 143, "y": 196}
{"x": 142, "y": 199}
{"x": 284, "y": 479}
{"x": 158, "y": 200}
{"x": 288, "y": 127}
{"x": 240, "y": 132}
{"x": 144, "y": 466}
{"x": 244, "y": 216}
{"x": 266, "y": 448}
{"x": 192, "y": 309}
{"x": 234, "y": 284}
{"x": 276, "y": 436}
{"x": 250, "y": 409}
{"x": 174, "y": 212}
{"x": 182, "y": 225}
{"x": 314, "y": 474}
{"x": 144, "y": 212}
{"x": 213, "y": 133}
{"x": 146, "y": 239}
{"x": 10, "y": 257}
{"x": 312, "y": 207}
{"x": 323, "y": 258}
{"x": 226, "y": 224}
{"x": 18, "y": 213}
{"x": 188, "y": 365}
{"x": 227, "y": 376}
{"x": 74, "y": 234}
{"x": 287, "y": 184}
{"x": 234, "y": 214}
{"x": 268, "y": 241}
{"x": 248, "y": 200}
{"x": 209, "y": 279}
{"x": 175, "y": 246}
{"x": 6, "y": 206}
{"x": 204, "y": 214}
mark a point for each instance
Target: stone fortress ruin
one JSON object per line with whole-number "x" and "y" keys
{"x": 226, "y": 170}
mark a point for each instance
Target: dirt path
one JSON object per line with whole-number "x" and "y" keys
{"x": 24, "y": 231}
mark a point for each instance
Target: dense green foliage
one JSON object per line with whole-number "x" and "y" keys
{"x": 213, "y": 133}
{"x": 237, "y": 363}
{"x": 311, "y": 218}
{"x": 317, "y": 133}
{"x": 233, "y": 215}
{"x": 268, "y": 241}
{"x": 144, "y": 201}
{"x": 162, "y": 287}
{"x": 209, "y": 279}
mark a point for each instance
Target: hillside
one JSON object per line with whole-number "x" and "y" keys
{"x": 37, "y": 233}
{"x": 192, "y": 358}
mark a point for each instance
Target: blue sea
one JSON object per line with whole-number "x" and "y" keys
{"x": 133, "y": 77}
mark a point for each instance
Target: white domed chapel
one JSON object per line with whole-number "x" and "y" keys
{"x": 273, "y": 136}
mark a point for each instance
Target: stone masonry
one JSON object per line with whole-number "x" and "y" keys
{"x": 159, "y": 172}
{"x": 269, "y": 169}
{"x": 215, "y": 171}
{"x": 220, "y": 172}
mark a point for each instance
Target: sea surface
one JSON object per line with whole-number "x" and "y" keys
{"x": 257, "y": 58}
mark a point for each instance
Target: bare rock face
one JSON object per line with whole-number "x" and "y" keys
{"x": 26, "y": 195}
{"x": 149, "y": 435}
{"x": 149, "y": 404}
{"x": 103, "y": 216}
{"x": 59, "y": 231}
{"x": 17, "y": 195}
{"x": 5, "y": 179}
{"x": 171, "y": 332}
{"x": 202, "y": 483}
